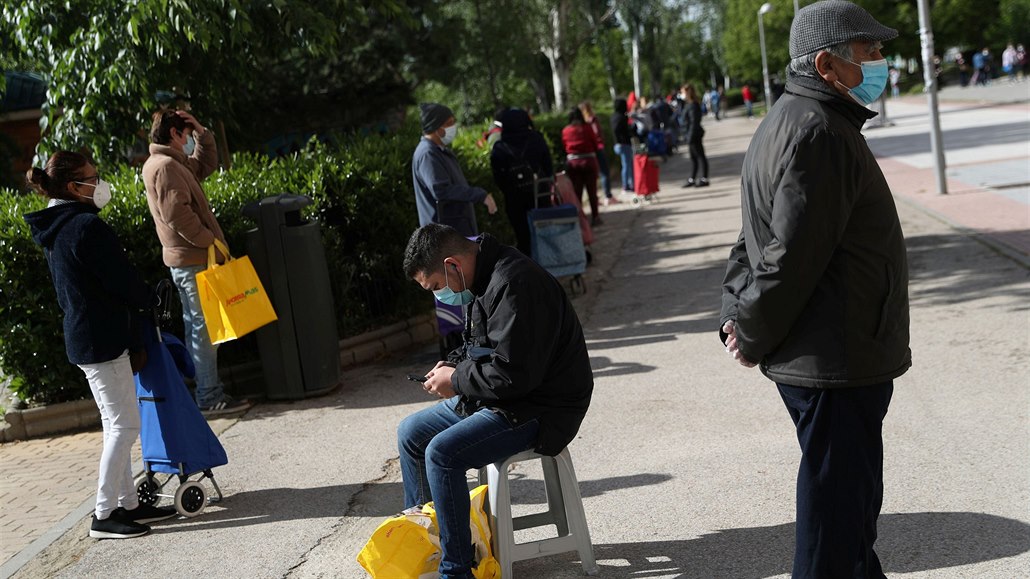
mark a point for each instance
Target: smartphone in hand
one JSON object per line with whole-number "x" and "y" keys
{"x": 417, "y": 378}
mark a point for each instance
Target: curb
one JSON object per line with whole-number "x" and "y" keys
{"x": 67, "y": 416}
{"x": 379, "y": 343}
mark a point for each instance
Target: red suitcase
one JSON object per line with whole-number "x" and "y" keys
{"x": 645, "y": 177}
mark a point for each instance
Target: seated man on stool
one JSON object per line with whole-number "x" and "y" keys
{"x": 521, "y": 379}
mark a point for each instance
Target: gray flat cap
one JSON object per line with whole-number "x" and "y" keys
{"x": 830, "y": 22}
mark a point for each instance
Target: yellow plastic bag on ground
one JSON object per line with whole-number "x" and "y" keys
{"x": 408, "y": 546}
{"x": 401, "y": 547}
{"x": 232, "y": 297}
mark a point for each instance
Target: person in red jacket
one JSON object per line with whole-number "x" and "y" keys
{"x": 745, "y": 93}
{"x": 581, "y": 159}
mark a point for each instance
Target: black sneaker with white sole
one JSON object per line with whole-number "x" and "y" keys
{"x": 115, "y": 527}
{"x": 145, "y": 513}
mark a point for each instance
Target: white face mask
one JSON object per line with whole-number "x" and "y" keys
{"x": 189, "y": 146}
{"x": 449, "y": 133}
{"x": 101, "y": 192}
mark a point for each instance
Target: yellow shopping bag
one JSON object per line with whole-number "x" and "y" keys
{"x": 408, "y": 546}
{"x": 232, "y": 297}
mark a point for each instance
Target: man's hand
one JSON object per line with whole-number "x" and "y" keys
{"x": 438, "y": 381}
{"x": 191, "y": 121}
{"x": 491, "y": 205}
{"x": 730, "y": 329}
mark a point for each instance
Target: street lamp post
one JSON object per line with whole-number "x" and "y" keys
{"x": 765, "y": 63}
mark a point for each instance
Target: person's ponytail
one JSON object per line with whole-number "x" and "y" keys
{"x": 38, "y": 180}
{"x": 62, "y": 168}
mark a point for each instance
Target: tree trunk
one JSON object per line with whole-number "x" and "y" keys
{"x": 609, "y": 69}
{"x": 556, "y": 54}
{"x": 543, "y": 99}
{"x": 636, "y": 57}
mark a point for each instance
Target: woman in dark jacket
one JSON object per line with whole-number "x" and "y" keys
{"x": 100, "y": 293}
{"x": 623, "y": 143}
{"x": 581, "y": 160}
{"x": 517, "y": 159}
{"x": 694, "y": 135}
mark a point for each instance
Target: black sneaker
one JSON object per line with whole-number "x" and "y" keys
{"x": 115, "y": 527}
{"x": 227, "y": 405}
{"x": 702, "y": 183}
{"x": 689, "y": 183}
{"x": 145, "y": 513}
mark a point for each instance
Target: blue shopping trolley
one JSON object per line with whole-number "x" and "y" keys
{"x": 175, "y": 437}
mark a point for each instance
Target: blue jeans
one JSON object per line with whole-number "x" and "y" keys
{"x": 437, "y": 447}
{"x": 198, "y": 341}
{"x": 840, "y": 479}
{"x": 626, "y": 153}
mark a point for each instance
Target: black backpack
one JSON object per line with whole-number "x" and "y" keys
{"x": 520, "y": 173}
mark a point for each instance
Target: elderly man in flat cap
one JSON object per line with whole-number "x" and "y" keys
{"x": 441, "y": 192}
{"x": 816, "y": 288}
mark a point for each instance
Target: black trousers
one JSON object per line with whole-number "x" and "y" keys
{"x": 840, "y": 480}
{"x": 698, "y": 159}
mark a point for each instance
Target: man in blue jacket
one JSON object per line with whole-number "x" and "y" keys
{"x": 816, "y": 288}
{"x": 442, "y": 195}
{"x": 441, "y": 192}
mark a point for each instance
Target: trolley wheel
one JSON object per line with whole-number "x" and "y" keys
{"x": 190, "y": 499}
{"x": 146, "y": 490}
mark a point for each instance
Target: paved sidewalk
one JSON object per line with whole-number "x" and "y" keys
{"x": 987, "y": 157}
{"x": 686, "y": 461}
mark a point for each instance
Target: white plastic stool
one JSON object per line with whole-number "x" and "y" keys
{"x": 564, "y": 510}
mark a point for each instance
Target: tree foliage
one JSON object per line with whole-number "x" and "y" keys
{"x": 240, "y": 62}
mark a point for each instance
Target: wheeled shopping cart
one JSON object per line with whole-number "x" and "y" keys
{"x": 176, "y": 438}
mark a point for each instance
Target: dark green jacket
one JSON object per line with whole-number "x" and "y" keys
{"x": 818, "y": 279}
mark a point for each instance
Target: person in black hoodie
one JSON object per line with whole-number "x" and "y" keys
{"x": 521, "y": 379}
{"x": 100, "y": 293}
{"x": 520, "y": 157}
{"x": 695, "y": 134}
{"x": 623, "y": 143}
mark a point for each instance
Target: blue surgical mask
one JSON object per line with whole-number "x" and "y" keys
{"x": 189, "y": 146}
{"x": 874, "y": 80}
{"x": 450, "y": 297}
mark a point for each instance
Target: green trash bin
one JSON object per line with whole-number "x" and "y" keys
{"x": 300, "y": 353}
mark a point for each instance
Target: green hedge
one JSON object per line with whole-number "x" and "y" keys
{"x": 363, "y": 199}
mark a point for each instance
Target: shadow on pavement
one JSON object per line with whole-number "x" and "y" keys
{"x": 908, "y": 543}
{"x": 967, "y": 138}
{"x": 259, "y": 507}
{"x": 604, "y": 367}
{"x": 947, "y": 269}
